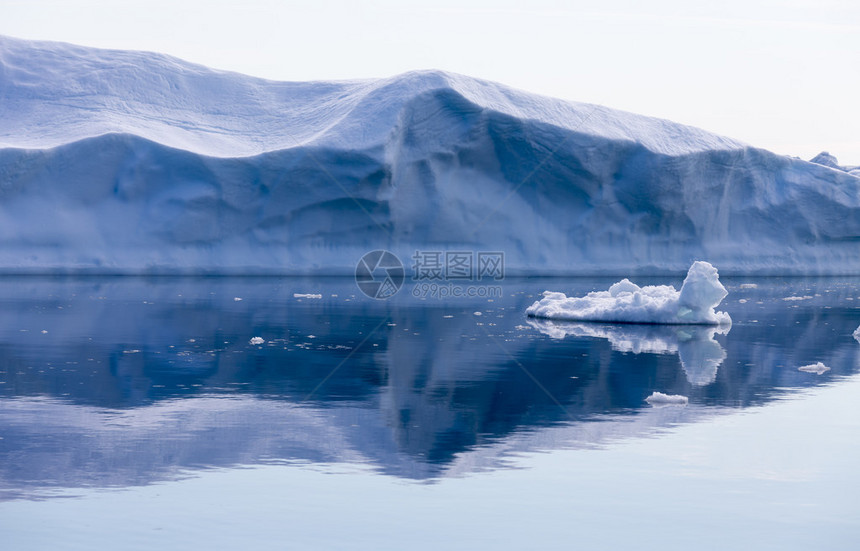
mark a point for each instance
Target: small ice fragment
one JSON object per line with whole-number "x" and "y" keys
{"x": 806, "y": 297}
{"x": 748, "y": 286}
{"x": 660, "y": 399}
{"x": 44, "y": 332}
{"x": 257, "y": 340}
{"x": 478, "y": 313}
{"x": 237, "y": 299}
{"x": 817, "y": 368}
{"x": 306, "y": 295}
{"x": 857, "y": 334}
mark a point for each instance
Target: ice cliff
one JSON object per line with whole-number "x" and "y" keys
{"x": 115, "y": 161}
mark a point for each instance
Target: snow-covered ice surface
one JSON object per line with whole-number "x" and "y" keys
{"x": 857, "y": 334}
{"x": 660, "y": 399}
{"x": 626, "y": 302}
{"x": 133, "y": 162}
{"x": 818, "y": 368}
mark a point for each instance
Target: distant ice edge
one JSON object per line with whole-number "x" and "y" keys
{"x": 626, "y": 302}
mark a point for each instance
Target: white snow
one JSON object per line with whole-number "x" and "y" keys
{"x": 660, "y": 399}
{"x": 134, "y": 162}
{"x": 626, "y": 302}
{"x": 857, "y": 334}
{"x": 818, "y": 368}
{"x": 257, "y": 340}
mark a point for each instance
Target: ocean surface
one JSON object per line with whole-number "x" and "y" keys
{"x": 137, "y": 413}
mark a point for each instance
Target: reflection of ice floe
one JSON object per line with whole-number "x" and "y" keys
{"x": 659, "y": 399}
{"x": 818, "y": 368}
{"x": 699, "y": 353}
{"x": 627, "y": 302}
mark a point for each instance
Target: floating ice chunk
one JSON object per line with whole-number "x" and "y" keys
{"x": 794, "y": 297}
{"x": 857, "y": 334}
{"x": 626, "y": 302}
{"x": 257, "y": 340}
{"x": 749, "y": 285}
{"x": 660, "y": 399}
{"x": 306, "y": 295}
{"x": 237, "y": 299}
{"x": 817, "y": 368}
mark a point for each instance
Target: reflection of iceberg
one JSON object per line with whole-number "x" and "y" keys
{"x": 627, "y": 302}
{"x": 700, "y": 354}
{"x": 434, "y": 392}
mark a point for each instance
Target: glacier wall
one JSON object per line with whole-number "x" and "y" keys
{"x": 128, "y": 162}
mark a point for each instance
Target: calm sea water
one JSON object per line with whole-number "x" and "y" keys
{"x": 137, "y": 414}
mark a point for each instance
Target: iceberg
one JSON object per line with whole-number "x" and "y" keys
{"x": 135, "y": 162}
{"x": 626, "y": 302}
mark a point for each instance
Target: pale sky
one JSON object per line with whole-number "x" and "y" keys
{"x": 783, "y": 75}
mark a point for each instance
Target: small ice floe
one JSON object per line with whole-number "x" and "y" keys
{"x": 660, "y": 399}
{"x": 478, "y": 313}
{"x": 749, "y": 286}
{"x": 306, "y": 295}
{"x": 257, "y": 340}
{"x": 857, "y": 334}
{"x": 794, "y": 297}
{"x": 237, "y": 299}
{"x": 626, "y": 302}
{"x": 818, "y": 368}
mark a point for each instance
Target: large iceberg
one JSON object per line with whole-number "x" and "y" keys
{"x": 133, "y": 162}
{"x": 626, "y": 302}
